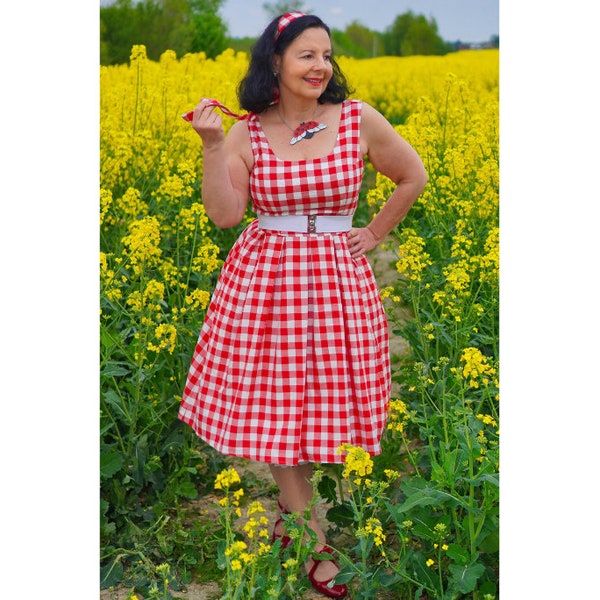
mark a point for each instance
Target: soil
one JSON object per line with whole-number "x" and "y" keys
{"x": 383, "y": 261}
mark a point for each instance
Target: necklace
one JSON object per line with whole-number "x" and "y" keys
{"x": 306, "y": 129}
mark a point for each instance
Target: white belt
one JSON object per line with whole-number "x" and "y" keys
{"x": 306, "y": 223}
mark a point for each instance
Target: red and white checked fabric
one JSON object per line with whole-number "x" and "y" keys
{"x": 292, "y": 359}
{"x": 286, "y": 20}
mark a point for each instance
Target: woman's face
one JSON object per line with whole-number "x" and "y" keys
{"x": 305, "y": 68}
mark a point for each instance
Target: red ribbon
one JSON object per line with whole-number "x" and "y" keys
{"x": 211, "y": 102}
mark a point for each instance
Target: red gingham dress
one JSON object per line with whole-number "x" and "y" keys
{"x": 292, "y": 359}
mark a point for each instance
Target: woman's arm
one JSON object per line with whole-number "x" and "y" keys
{"x": 226, "y": 170}
{"x": 393, "y": 157}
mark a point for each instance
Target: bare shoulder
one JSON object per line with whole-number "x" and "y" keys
{"x": 387, "y": 150}
{"x": 238, "y": 143}
{"x": 377, "y": 135}
{"x": 374, "y": 124}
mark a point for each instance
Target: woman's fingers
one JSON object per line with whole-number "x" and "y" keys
{"x": 360, "y": 240}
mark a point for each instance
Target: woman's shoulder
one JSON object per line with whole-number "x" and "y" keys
{"x": 370, "y": 115}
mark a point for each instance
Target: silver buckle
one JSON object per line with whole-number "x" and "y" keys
{"x": 312, "y": 224}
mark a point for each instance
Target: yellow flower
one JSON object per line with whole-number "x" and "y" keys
{"x": 290, "y": 563}
{"x": 236, "y": 565}
{"x": 142, "y": 243}
{"x": 236, "y": 548}
{"x": 255, "y": 507}
{"x": 226, "y": 478}
{"x": 413, "y": 260}
{"x": 263, "y": 548}
{"x": 476, "y": 366}
{"x": 430, "y": 562}
{"x": 397, "y": 416}
{"x": 138, "y": 52}
{"x": 488, "y": 420}
{"x": 165, "y": 335}
{"x": 391, "y": 474}
{"x": 198, "y": 299}
{"x": 357, "y": 460}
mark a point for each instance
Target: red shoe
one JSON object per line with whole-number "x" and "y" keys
{"x": 286, "y": 540}
{"x": 338, "y": 590}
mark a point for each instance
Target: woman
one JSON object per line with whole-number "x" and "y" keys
{"x": 293, "y": 360}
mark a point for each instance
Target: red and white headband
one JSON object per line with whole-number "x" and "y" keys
{"x": 286, "y": 20}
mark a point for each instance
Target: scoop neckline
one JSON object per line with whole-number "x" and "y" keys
{"x": 343, "y": 116}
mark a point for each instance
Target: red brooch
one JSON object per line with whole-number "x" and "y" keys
{"x": 306, "y": 130}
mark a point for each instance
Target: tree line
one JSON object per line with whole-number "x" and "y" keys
{"x": 189, "y": 26}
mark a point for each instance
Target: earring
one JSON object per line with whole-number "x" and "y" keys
{"x": 275, "y": 74}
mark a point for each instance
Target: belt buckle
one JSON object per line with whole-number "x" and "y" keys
{"x": 312, "y": 224}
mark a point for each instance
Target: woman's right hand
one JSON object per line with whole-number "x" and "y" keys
{"x": 208, "y": 124}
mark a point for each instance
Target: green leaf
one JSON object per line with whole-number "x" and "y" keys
{"x": 466, "y": 577}
{"x": 345, "y": 575}
{"x": 387, "y": 580}
{"x": 111, "y": 574}
{"x": 114, "y": 404}
{"x": 427, "y": 497}
{"x": 458, "y": 554}
{"x": 491, "y": 542}
{"x": 187, "y": 489}
{"x": 114, "y": 369}
{"x": 327, "y": 489}
{"x": 341, "y": 515}
{"x": 425, "y": 575}
{"x": 110, "y": 463}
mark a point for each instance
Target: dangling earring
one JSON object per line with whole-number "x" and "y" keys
{"x": 275, "y": 95}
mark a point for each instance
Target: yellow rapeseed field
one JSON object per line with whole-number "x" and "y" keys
{"x": 159, "y": 260}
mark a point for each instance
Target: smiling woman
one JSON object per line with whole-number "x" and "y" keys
{"x": 292, "y": 361}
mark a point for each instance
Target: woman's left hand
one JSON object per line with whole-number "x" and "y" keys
{"x": 360, "y": 240}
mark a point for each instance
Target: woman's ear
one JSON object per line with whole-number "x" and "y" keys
{"x": 276, "y": 64}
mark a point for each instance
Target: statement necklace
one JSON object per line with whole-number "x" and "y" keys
{"x": 306, "y": 129}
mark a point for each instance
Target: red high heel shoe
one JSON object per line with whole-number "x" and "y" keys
{"x": 286, "y": 540}
{"x": 338, "y": 590}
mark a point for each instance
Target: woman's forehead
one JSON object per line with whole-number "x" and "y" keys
{"x": 311, "y": 38}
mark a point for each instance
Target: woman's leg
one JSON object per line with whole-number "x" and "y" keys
{"x": 296, "y": 493}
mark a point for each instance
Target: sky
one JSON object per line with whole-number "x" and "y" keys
{"x": 464, "y": 20}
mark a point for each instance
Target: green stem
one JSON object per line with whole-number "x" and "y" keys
{"x": 471, "y": 500}
{"x": 441, "y": 580}
{"x": 410, "y": 456}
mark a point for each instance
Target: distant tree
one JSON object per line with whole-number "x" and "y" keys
{"x": 364, "y": 38}
{"x": 274, "y": 9}
{"x": 209, "y": 34}
{"x": 179, "y": 25}
{"x": 357, "y": 41}
{"x": 119, "y": 31}
{"x": 413, "y": 34}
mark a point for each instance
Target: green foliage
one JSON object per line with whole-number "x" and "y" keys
{"x": 190, "y": 26}
{"x": 179, "y": 25}
{"x": 357, "y": 41}
{"x": 412, "y": 34}
{"x": 273, "y": 9}
{"x": 440, "y": 518}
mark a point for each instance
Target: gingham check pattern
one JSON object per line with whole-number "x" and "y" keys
{"x": 292, "y": 359}
{"x": 286, "y": 20}
{"x": 325, "y": 186}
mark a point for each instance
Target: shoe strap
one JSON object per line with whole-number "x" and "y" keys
{"x": 316, "y": 563}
